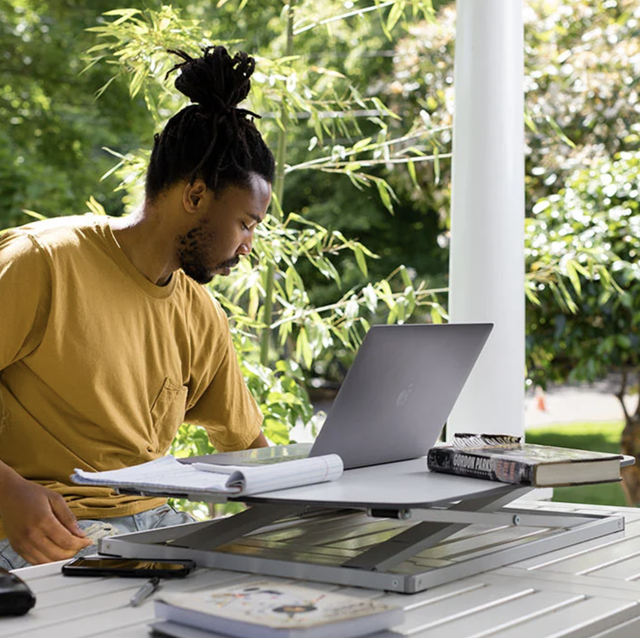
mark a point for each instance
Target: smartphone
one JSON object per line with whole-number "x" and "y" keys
{"x": 128, "y": 567}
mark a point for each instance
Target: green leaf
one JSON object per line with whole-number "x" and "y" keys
{"x": 384, "y": 195}
{"x": 361, "y": 144}
{"x": 32, "y": 213}
{"x": 290, "y": 281}
{"x": 95, "y": 206}
{"x": 360, "y": 259}
{"x": 559, "y": 132}
{"x": 385, "y": 293}
{"x": 136, "y": 81}
{"x": 395, "y": 14}
{"x": 280, "y": 397}
{"x": 411, "y": 167}
{"x": 623, "y": 342}
{"x": 303, "y": 349}
{"x": 573, "y": 276}
{"x": 276, "y": 431}
{"x": 124, "y": 14}
{"x": 406, "y": 280}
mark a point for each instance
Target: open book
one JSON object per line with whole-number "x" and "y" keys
{"x": 168, "y": 475}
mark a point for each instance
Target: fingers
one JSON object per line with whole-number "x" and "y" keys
{"x": 51, "y": 540}
{"x": 63, "y": 531}
{"x": 62, "y": 512}
{"x": 37, "y": 547}
{"x": 38, "y": 523}
{"x": 44, "y": 551}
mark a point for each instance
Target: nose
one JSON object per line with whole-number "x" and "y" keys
{"x": 244, "y": 248}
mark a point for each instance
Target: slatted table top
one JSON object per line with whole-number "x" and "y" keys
{"x": 590, "y": 590}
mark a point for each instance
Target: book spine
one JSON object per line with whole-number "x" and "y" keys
{"x": 493, "y": 468}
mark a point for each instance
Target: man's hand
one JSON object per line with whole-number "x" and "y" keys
{"x": 38, "y": 523}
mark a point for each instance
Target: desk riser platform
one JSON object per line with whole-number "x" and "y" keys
{"x": 350, "y": 548}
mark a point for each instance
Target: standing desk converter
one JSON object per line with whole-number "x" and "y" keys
{"x": 394, "y": 527}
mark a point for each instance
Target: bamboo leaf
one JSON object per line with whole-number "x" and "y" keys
{"x": 361, "y": 144}
{"x": 136, "y": 82}
{"x": 395, "y": 14}
{"x": 124, "y": 14}
{"x": 290, "y": 281}
{"x": 559, "y": 132}
{"x": 436, "y": 317}
{"x": 384, "y": 195}
{"x": 95, "y": 206}
{"x": 32, "y": 213}
{"x": 406, "y": 280}
{"x": 303, "y": 349}
{"x": 573, "y": 277}
{"x": 361, "y": 260}
{"x": 104, "y": 87}
{"x": 411, "y": 167}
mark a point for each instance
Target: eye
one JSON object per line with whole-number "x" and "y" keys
{"x": 244, "y": 226}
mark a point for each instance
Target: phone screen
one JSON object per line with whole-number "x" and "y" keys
{"x": 134, "y": 567}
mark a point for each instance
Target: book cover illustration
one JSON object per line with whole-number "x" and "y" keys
{"x": 276, "y": 605}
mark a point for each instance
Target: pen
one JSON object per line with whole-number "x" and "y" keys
{"x": 145, "y": 591}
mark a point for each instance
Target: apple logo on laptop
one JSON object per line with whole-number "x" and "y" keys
{"x": 403, "y": 397}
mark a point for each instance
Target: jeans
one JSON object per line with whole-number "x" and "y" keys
{"x": 162, "y": 516}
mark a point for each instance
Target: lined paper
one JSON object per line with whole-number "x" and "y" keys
{"x": 168, "y": 474}
{"x": 253, "y": 479}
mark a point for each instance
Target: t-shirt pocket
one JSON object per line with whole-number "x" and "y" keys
{"x": 167, "y": 415}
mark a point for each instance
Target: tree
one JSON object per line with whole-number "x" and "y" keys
{"x": 581, "y": 91}
{"x": 51, "y": 154}
{"x": 582, "y": 105}
{"x": 588, "y": 324}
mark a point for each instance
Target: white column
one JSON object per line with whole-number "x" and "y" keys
{"x": 487, "y": 210}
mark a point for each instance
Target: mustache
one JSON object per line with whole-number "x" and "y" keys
{"x": 230, "y": 263}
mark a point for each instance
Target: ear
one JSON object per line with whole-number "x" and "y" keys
{"x": 193, "y": 196}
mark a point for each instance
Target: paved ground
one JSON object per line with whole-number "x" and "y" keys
{"x": 563, "y": 404}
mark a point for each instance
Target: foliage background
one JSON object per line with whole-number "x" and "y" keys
{"x": 582, "y": 71}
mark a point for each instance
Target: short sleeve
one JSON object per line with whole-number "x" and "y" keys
{"x": 225, "y": 406}
{"x": 25, "y": 296}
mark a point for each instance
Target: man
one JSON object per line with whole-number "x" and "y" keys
{"x": 108, "y": 342}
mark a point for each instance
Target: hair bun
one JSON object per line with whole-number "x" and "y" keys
{"x": 216, "y": 80}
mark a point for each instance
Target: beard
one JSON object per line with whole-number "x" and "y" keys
{"x": 192, "y": 255}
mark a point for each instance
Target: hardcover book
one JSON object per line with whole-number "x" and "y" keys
{"x": 269, "y": 609}
{"x": 505, "y": 459}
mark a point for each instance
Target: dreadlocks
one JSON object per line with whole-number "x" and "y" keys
{"x": 210, "y": 139}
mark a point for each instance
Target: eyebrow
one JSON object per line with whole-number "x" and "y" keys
{"x": 255, "y": 217}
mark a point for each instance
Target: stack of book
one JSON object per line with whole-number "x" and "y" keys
{"x": 504, "y": 458}
{"x": 269, "y": 609}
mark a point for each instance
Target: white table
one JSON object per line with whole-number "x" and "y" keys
{"x": 589, "y": 590}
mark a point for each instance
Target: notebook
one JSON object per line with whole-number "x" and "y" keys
{"x": 394, "y": 401}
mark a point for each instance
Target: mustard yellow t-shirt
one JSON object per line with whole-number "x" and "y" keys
{"x": 99, "y": 366}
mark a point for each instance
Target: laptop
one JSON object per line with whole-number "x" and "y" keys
{"x": 394, "y": 401}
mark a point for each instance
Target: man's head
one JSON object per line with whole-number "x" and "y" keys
{"x": 222, "y": 227}
{"x": 214, "y": 153}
